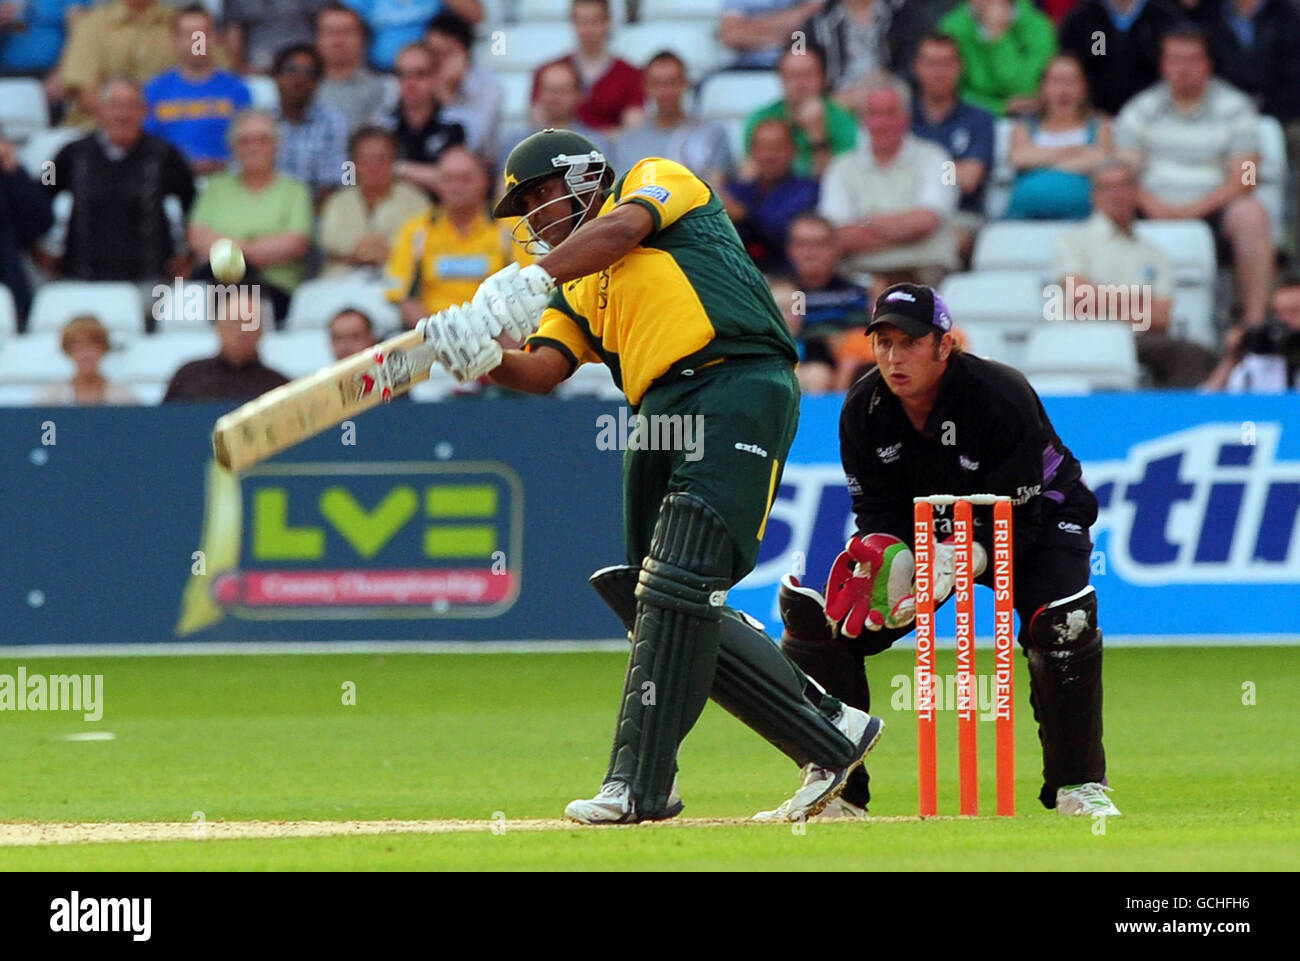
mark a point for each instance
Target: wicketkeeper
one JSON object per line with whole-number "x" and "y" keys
{"x": 647, "y": 275}
{"x": 930, "y": 419}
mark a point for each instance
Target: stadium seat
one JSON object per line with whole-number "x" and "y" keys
{"x": 315, "y": 302}
{"x": 654, "y": 11}
{"x": 997, "y": 191}
{"x": 524, "y": 47}
{"x": 557, "y": 11}
{"x": 1101, "y": 353}
{"x": 45, "y": 145}
{"x": 1189, "y": 245}
{"x": 8, "y": 314}
{"x": 590, "y": 380}
{"x": 154, "y": 359}
{"x": 738, "y": 93}
{"x": 516, "y": 90}
{"x": 33, "y": 359}
{"x": 698, "y": 47}
{"x": 438, "y": 386}
{"x": 263, "y": 91}
{"x": 996, "y": 309}
{"x": 1060, "y": 385}
{"x": 117, "y": 305}
{"x": 296, "y": 353}
{"x": 187, "y": 310}
{"x": 150, "y": 392}
{"x": 1028, "y": 245}
{"x": 18, "y": 395}
{"x": 23, "y": 110}
{"x": 1271, "y": 184}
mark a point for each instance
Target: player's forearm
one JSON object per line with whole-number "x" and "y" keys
{"x": 532, "y": 373}
{"x": 597, "y": 244}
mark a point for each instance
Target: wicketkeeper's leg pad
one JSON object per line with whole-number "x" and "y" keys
{"x": 680, "y": 594}
{"x": 1064, "y": 654}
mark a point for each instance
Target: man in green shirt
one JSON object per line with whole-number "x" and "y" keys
{"x": 1004, "y": 45}
{"x": 822, "y": 128}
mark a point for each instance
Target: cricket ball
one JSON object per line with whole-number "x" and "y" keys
{"x": 227, "y": 261}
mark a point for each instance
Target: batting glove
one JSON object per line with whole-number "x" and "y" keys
{"x": 516, "y": 298}
{"x": 461, "y": 338}
{"x": 870, "y": 585}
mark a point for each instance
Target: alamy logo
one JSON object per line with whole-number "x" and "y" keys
{"x": 891, "y": 453}
{"x": 669, "y": 432}
{"x": 53, "y": 692}
{"x": 102, "y": 915}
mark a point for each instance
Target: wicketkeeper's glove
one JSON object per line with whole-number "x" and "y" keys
{"x": 871, "y": 585}
{"x": 945, "y": 575}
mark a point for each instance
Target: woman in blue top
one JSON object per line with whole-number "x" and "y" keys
{"x": 1055, "y": 151}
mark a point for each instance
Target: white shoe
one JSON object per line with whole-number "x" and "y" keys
{"x": 1086, "y": 799}
{"x": 613, "y": 805}
{"x": 822, "y": 785}
{"x": 840, "y": 810}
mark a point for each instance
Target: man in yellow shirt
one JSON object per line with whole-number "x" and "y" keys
{"x": 440, "y": 257}
{"x": 125, "y": 38}
{"x": 646, "y": 274}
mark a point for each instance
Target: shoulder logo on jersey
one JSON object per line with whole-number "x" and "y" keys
{"x": 751, "y": 449}
{"x": 891, "y": 453}
{"x": 654, "y": 192}
{"x": 966, "y": 463}
{"x": 1070, "y": 528}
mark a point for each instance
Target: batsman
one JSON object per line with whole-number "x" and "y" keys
{"x": 646, "y": 274}
{"x": 931, "y": 419}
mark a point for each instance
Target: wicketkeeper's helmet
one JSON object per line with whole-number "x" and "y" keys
{"x": 549, "y": 153}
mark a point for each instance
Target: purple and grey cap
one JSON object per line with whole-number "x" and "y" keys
{"x": 912, "y": 308}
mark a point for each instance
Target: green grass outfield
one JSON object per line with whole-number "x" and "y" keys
{"x": 1205, "y": 781}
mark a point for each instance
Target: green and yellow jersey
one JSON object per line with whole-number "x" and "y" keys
{"x": 687, "y": 297}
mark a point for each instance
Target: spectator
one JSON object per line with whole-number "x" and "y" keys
{"x": 962, "y": 129}
{"x": 32, "y": 34}
{"x": 350, "y": 333}
{"x": 313, "y": 135}
{"x": 236, "y": 373}
{"x": 558, "y": 96}
{"x": 190, "y": 106}
{"x": 1197, "y": 139}
{"x": 760, "y": 30}
{"x": 832, "y": 342}
{"x": 257, "y": 29}
{"x": 440, "y": 257}
{"x": 822, "y": 128}
{"x": 914, "y": 20}
{"x": 347, "y": 84}
{"x": 1055, "y": 151}
{"x": 856, "y": 39}
{"x": 1264, "y": 359}
{"x": 471, "y": 94}
{"x": 1255, "y": 46}
{"x": 124, "y": 38}
{"x": 119, "y": 177}
{"x": 396, "y": 25}
{"x": 24, "y": 216}
{"x": 358, "y": 224}
{"x": 1004, "y": 44}
{"x": 611, "y": 89}
{"x": 1118, "y": 43}
{"x": 85, "y": 341}
{"x": 268, "y": 214}
{"x": 890, "y": 200}
{"x": 1104, "y": 252}
{"x": 763, "y": 206}
{"x": 417, "y": 122}
{"x": 698, "y": 144}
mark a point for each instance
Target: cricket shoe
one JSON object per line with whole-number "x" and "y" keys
{"x": 1086, "y": 799}
{"x": 613, "y": 805}
{"x": 822, "y": 785}
{"x": 842, "y": 810}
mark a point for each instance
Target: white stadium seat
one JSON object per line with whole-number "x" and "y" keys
{"x": 155, "y": 358}
{"x": 590, "y": 380}
{"x": 996, "y": 309}
{"x": 1018, "y": 245}
{"x": 1060, "y": 385}
{"x": 315, "y": 302}
{"x": 296, "y": 353}
{"x": 8, "y": 314}
{"x": 1271, "y": 185}
{"x": 698, "y": 48}
{"x": 516, "y": 89}
{"x": 653, "y": 11}
{"x": 558, "y": 11}
{"x": 33, "y": 359}
{"x": 117, "y": 305}
{"x": 150, "y": 392}
{"x": 997, "y": 191}
{"x": 263, "y": 91}
{"x": 738, "y": 93}
{"x": 522, "y": 47}
{"x": 1102, "y": 353}
{"x": 23, "y": 110}
{"x": 45, "y": 145}
{"x": 438, "y": 386}
{"x": 1189, "y": 245}
{"x": 18, "y": 395}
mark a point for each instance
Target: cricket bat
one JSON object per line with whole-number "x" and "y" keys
{"x": 303, "y": 408}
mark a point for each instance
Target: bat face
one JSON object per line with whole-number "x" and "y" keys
{"x": 305, "y": 407}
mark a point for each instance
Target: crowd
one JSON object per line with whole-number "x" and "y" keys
{"x": 378, "y": 154}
